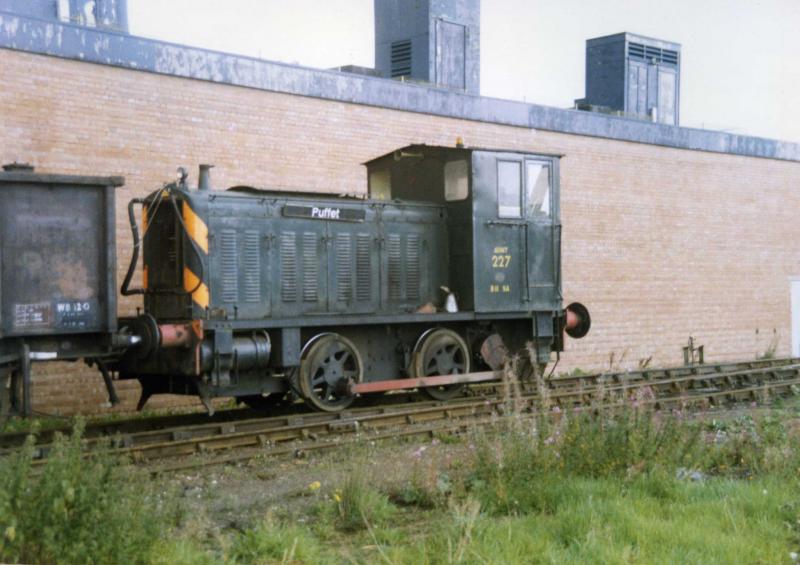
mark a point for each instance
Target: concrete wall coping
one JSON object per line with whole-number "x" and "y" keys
{"x": 131, "y": 52}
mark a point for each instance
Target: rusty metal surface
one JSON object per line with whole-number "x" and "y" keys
{"x": 404, "y": 384}
{"x": 494, "y": 352}
{"x": 176, "y": 335}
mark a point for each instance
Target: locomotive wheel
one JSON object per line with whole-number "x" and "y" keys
{"x": 328, "y": 365}
{"x": 261, "y": 403}
{"x": 441, "y": 352}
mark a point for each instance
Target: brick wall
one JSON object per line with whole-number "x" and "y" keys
{"x": 660, "y": 243}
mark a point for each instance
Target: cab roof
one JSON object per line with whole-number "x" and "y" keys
{"x": 438, "y": 151}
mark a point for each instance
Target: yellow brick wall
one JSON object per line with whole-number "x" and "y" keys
{"x": 659, "y": 243}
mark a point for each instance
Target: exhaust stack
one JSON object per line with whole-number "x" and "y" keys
{"x": 204, "y": 180}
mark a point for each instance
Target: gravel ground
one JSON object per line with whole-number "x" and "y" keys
{"x": 237, "y": 496}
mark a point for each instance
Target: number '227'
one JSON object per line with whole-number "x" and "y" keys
{"x": 500, "y": 261}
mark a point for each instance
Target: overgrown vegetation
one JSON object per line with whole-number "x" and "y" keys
{"x": 77, "y": 509}
{"x": 577, "y": 486}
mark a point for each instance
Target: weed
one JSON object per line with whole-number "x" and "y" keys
{"x": 512, "y": 394}
{"x": 746, "y": 447}
{"x": 427, "y": 488}
{"x": 772, "y": 347}
{"x": 615, "y": 363}
{"x": 183, "y": 551}
{"x": 17, "y": 424}
{"x": 576, "y": 372}
{"x": 272, "y": 542}
{"x": 359, "y": 505}
{"x": 465, "y": 516}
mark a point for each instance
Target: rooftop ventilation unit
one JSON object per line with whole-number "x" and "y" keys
{"x": 429, "y": 41}
{"x": 633, "y": 76}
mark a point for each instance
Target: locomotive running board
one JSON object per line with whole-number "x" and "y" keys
{"x": 422, "y": 382}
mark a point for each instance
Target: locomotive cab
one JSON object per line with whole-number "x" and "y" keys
{"x": 504, "y": 214}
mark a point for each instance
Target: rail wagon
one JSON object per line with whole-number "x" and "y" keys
{"x": 451, "y": 263}
{"x": 58, "y": 295}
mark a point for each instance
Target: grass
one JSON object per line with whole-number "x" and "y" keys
{"x": 647, "y": 521}
{"x": 273, "y": 542}
{"x": 629, "y": 487}
{"x": 359, "y": 506}
{"x": 594, "y": 521}
{"x": 77, "y": 509}
{"x": 623, "y": 487}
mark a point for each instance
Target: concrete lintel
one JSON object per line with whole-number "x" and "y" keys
{"x": 121, "y": 50}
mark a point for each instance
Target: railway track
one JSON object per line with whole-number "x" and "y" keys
{"x": 138, "y": 424}
{"x": 704, "y": 387}
{"x": 240, "y": 439}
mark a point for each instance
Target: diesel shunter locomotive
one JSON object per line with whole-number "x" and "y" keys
{"x": 257, "y": 294}
{"x": 449, "y": 265}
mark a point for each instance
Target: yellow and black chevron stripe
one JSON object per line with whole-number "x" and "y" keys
{"x": 197, "y": 230}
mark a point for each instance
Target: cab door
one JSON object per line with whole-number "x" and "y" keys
{"x": 543, "y": 240}
{"x": 500, "y": 232}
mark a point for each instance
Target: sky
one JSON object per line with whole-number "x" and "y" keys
{"x": 740, "y": 68}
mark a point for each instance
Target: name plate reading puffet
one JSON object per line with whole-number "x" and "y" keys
{"x": 325, "y": 213}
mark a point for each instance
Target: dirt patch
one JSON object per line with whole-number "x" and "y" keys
{"x": 237, "y": 496}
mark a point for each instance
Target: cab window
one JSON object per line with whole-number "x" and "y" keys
{"x": 537, "y": 189}
{"x": 509, "y": 189}
{"x": 456, "y": 180}
{"x": 380, "y": 185}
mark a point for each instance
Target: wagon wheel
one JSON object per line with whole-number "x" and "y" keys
{"x": 328, "y": 365}
{"x": 441, "y": 352}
